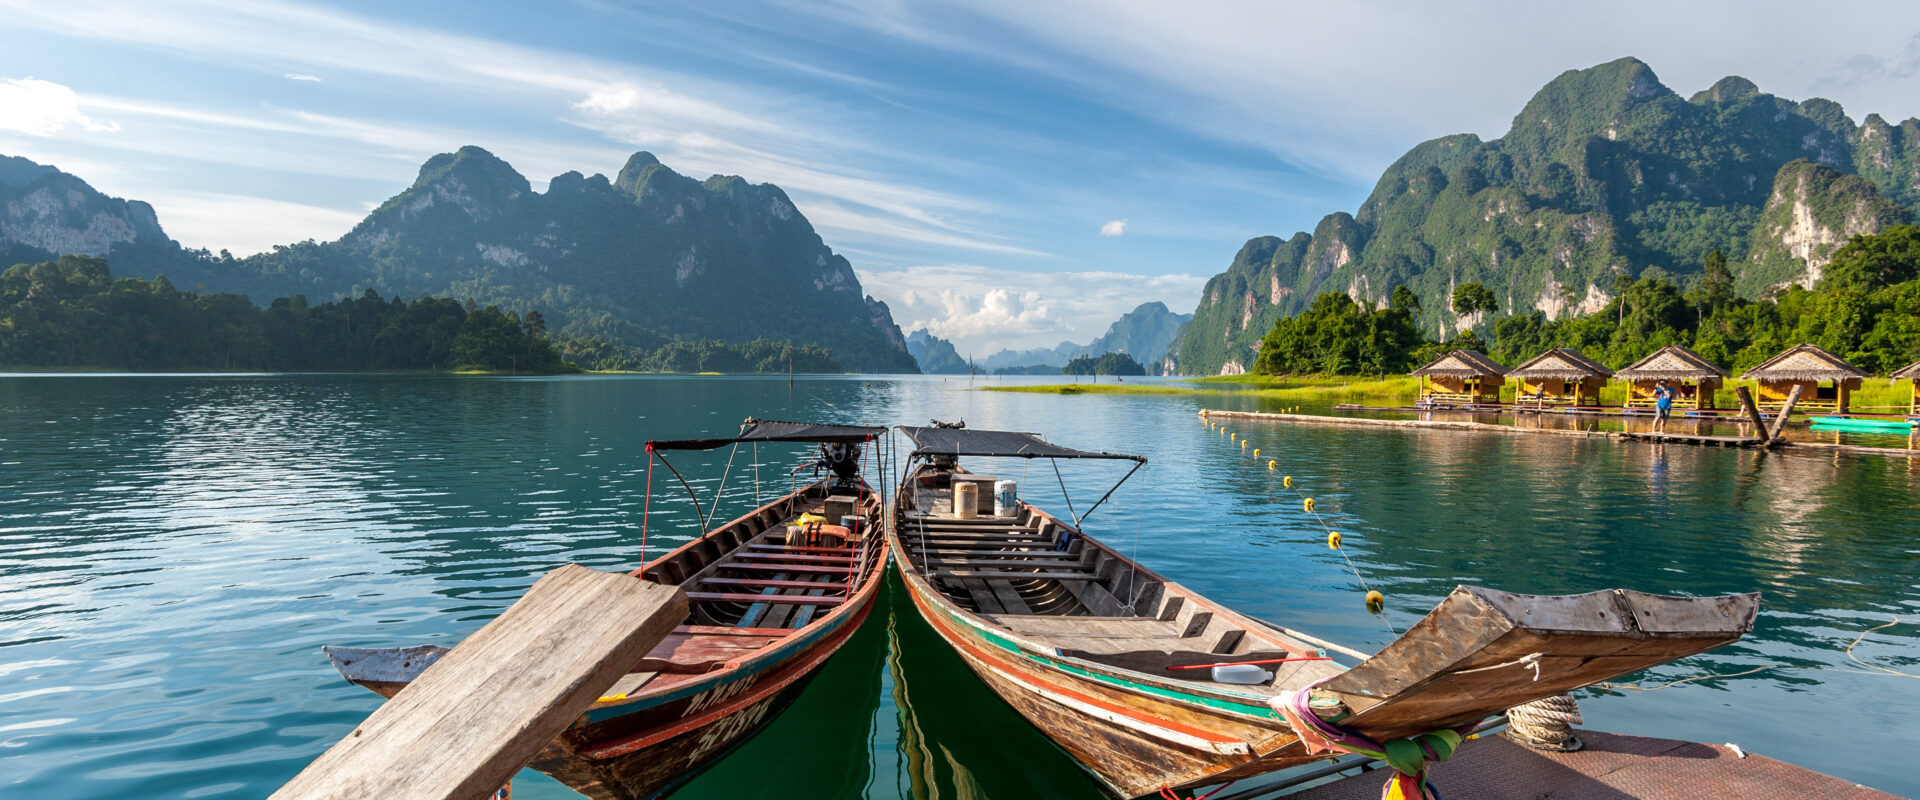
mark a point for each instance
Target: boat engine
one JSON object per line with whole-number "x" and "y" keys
{"x": 843, "y": 460}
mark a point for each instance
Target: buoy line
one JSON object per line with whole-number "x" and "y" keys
{"x": 1376, "y": 602}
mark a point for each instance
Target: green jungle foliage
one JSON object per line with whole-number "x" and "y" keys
{"x": 1865, "y": 309}
{"x": 1104, "y": 364}
{"x": 706, "y": 355}
{"x": 72, "y": 313}
{"x": 1338, "y": 336}
{"x": 1030, "y": 369}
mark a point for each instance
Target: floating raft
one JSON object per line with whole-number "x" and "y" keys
{"x": 1513, "y": 430}
{"x": 1610, "y": 766}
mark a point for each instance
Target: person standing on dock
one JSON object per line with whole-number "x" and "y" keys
{"x": 1662, "y": 405}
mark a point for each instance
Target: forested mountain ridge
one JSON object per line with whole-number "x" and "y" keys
{"x": 45, "y": 213}
{"x": 1144, "y": 333}
{"x": 649, "y": 257}
{"x": 1605, "y": 173}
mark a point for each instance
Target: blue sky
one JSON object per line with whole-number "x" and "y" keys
{"x": 1007, "y": 173}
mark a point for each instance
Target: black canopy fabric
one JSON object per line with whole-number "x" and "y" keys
{"x": 971, "y": 442}
{"x": 767, "y": 430}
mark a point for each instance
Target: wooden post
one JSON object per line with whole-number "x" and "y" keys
{"x": 469, "y": 722}
{"x": 1753, "y": 413}
{"x": 1780, "y": 422}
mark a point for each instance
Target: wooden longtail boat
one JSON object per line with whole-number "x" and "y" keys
{"x": 765, "y": 614}
{"x": 1095, "y": 650}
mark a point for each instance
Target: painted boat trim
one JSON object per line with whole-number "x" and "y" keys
{"x": 1165, "y": 730}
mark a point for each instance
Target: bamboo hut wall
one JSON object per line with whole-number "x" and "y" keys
{"x": 1833, "y": 396}
{"x": 1474, "y": 390}
{"x": 1690, "y": 393}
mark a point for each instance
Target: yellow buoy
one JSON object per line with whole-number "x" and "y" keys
{"x": 1333, "y": 540}
{"x": 1308, "y": 504}
{"x": 1256, "y": 452}
{"x": 1375, "y": 602}
{"x": 1287, "y": 481}
{"x": 1243, "y": 444}
{"x": 1272, "y": 464}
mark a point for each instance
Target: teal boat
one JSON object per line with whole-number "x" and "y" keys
{"x": 1862, "y": 425}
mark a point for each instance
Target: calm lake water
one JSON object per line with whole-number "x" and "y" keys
{"x": 174, "y": 551}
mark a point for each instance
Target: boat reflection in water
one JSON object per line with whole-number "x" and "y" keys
{"x": 895, "y": 714}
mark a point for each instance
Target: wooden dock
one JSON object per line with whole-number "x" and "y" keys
{"x": 1610, "y": 766}
{"x": 469, "y": 722}
{"x": 1514, "y": 430}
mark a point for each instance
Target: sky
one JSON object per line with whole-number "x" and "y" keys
{"x": 1005, "y": 173}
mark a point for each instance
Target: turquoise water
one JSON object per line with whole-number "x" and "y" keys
{"x": 174, "y": 551}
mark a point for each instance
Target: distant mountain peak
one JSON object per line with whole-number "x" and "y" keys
{"x": 639, "y": 171}
{"x": 1730, "y": 89}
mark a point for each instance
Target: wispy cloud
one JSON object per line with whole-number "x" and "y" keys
{"x": 247, "y": 225}
{"x": 44, "y": 108}
{"x": 1114, "y": 228}
{"x": 295, "y": 76}
{"x": 985, "y": 309}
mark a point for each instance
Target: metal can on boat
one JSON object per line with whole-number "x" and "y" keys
{"x": 1006, "y": 498}
{"x": 966, "y": 500}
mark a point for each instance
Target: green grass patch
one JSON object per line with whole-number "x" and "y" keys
{"x": 1399, "y": 389}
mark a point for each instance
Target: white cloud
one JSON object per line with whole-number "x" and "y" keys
{"x": 1114, "y": 228}
{"x": 247, "y": 225}
{"x": 986, "y": 309}
{"x": 44, "y": 108}
{"x": 295, "y": 76}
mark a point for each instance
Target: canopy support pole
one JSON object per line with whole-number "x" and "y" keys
{"x": 690, "y": 495}
{"x": 722, "y": 491}
{"x": 1103, "y": 498}
{"x": 1063, "y": 490}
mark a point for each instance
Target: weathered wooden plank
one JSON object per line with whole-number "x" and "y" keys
{"x": 997, "y": 562}
{"x": 795, "y": 568}
{"x": 797, "y": 559}
{"x": 1009, "y": 597}
{"x": 1051, "y": 576}
{"x": 1038, "y": 555}
{"x": 1753, "y": 413}
{"x": 763, "y": 583}
{"x": 747, "y": 597}
{"x": 468, "y": 723}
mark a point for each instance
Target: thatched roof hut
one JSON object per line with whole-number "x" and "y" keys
{"x": 1695, "y": 379}
{"x": 1911, "y": 372}
{"x": 1671, "y": 363}
{"x": 1805, "y": 363}
{"x": 1462, "y": 364}
{"x": 1825, "y": 379}
{"x": 1561, "y": 364}
{"x": 1461, "y": 376}
{"x": 1560, "y": 376}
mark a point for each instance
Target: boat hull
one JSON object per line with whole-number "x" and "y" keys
{"x": 652, "y": 751}
{"x": 1133, "y": 742}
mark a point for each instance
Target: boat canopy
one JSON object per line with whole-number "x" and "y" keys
{"x": 773, "y": 430}
{"x": 970, "y": 442}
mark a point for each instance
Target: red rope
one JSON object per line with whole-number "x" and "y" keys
{"x": 646, "y": 508}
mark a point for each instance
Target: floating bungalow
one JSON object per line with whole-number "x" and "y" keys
{"x": 1461, "y": 376}
{"x": 1692, "y": 378}
{"x": 1911, "y": 372}
{"x": 1826, "y": 380}
{"x": 1560, "y": 377}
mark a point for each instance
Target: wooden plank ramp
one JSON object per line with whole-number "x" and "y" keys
{"x": 474, "y": 718}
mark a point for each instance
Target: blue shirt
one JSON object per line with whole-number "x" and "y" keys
{"x": 1663, "y": 397}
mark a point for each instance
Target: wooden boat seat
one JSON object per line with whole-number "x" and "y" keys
{"x": 1091, "y": 627}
